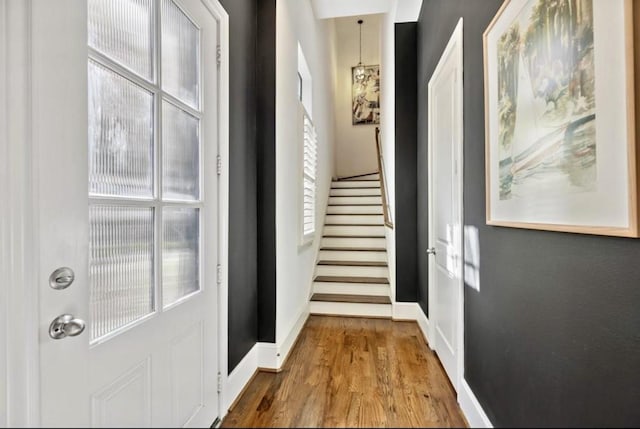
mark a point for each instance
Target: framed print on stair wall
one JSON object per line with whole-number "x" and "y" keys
{"x": 560, "y": 97}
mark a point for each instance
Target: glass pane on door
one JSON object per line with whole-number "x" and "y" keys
{"x": 121, "y": 242}
{"x": 180, "y": 253}
{"x": 180, "y": 154}
{"x": 121, "y": 29}
{"x": 180, "y": 55}
{"x": 120, "y": 135}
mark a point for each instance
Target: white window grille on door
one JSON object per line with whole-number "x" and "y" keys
{"x": 309, "y": 171}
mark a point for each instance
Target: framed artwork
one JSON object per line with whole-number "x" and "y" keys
{"x": 365, "y": 95}
{"x": 560, "y": 116}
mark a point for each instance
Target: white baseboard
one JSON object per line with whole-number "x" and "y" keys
{"x": 267, "y": 356}
{"x": 290, "y": 340}
{"x": 412, "y": 311}
{"x": 238, "y": 379}
{"x": 471, "y": 408}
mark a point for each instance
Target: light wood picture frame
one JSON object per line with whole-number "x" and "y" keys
{"x": 561, "y": 116}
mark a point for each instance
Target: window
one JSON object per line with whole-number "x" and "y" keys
{"x": 145, "y": 196}
{"x": 309, "y": 168}
{"x": 309, "y": 151}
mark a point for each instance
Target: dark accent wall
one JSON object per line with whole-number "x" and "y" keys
{"x": 243, "y": 250}
{"x": 252, "y": 78}
{"x": 405, "y": 223}
{"x": 266, "y": 169}
{"x": 553, "y": 336}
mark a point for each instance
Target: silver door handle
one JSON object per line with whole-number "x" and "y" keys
{"x": 66, "y": 326}
{"x": 431, "y": 251}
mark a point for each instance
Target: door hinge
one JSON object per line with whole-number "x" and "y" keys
{"x": 219, "y": 55}
{"x": 219, "y": 382}
{"x": 219, "y": 165}
{"x": 219, "y": 274}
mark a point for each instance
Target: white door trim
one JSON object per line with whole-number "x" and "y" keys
{"x": 19, "y": 234}
{"x": 215, "y": 7}
{"x": 455, "y": 42}
{"x": 19, "y": 363}
{"x": 4, "y": 237}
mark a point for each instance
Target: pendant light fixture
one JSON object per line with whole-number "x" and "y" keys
{"x": 358, "y": 71}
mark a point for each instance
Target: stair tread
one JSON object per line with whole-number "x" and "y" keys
{"x": 353, "y": 263}
{"x": 355, "y": 204}
{"x": 351, "y": 279}
{"x": 354, "y": 214}
{"x": 354, "y": 180}
{"x": 355, "y": 187}
{"x": 359, "y": 299}
{"x": 352, "y": 236}
{"x": 354, "y": 224}
{"x": 355, "y": 249}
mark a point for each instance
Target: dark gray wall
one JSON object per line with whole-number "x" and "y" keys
{"x": 266, "y": 168}
{"x": 553, "y": 337}
{"x": 252, "y": 290}
{"x": 405, "y": 159}
{"x": 243, "y": 251}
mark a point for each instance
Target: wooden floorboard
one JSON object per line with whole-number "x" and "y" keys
{"x": 352, "y": 372}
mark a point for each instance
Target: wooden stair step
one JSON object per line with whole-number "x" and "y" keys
{"x": 354, "y": 263}
{"x": 354, "y": 214}
{"x": 358, "y": 299}
{"x": 355, "y": 249}
{"x": 353, "y": 236}
{"x": 356, "y": 187}
{"x": 355, "y": 204}
{"x": 352, "y": 224}
{"x": 345, "y": 279}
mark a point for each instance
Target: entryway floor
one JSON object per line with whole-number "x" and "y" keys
{"x": 352, "y": 372}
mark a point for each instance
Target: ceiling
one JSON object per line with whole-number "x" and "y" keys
{"x": 405, "y": 10}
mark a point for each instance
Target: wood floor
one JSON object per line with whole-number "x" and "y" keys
{"x": 352, "y": 372}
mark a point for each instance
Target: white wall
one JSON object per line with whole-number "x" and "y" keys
{"x": 295, "y": 23}
{"x": 4, "y": 225}
{"x": 387, "y": 128}
{"x": 355, "y": 144}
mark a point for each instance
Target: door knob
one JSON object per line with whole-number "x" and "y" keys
{"x": 61, "y": 278}
{"x": 66, "y": 326}
{"x": 431, "y": 251}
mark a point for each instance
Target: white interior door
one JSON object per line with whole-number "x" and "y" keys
{"x": 126, "y": 140}
{"x": 445, "y": 178}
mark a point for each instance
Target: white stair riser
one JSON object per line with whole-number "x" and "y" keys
{"x": 336, "y": 255}
{"x": 351, "y": 288}
{"x": 355, "y": 200}
{"x": 354, "y": 242}
{"x": 350, "y": 309}
{"x": 354, "y": 184}
{"x": 363, "y": 231}
{"x": 354, "y": 210}
{"x": 355, "y": 192}
{"x": 358, "y": 220}
{"x": 340, "y": 270}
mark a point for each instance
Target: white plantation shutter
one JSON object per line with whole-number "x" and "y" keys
{"x": 309, "y": 169}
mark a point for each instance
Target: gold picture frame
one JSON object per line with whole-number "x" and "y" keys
{"x": 556, "y": 81}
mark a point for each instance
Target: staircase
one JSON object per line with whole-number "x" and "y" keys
{"x": 352, "y": 275}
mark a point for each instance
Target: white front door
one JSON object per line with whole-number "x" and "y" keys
{"x": 445, "y": 229}
{"x": 126, "y": 140}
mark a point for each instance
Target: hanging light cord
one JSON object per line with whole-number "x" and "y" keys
{"x": 360, "y": 23}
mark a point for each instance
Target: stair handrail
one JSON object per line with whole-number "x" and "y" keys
{"x": 383, "y": 182}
